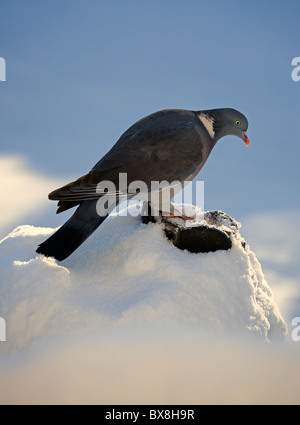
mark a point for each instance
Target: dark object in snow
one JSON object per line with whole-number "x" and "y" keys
{"x": 196, "y": 239}
{"x": 206, "y": 237}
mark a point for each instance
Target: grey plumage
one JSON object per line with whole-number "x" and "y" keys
{"x": 168, "y": 145}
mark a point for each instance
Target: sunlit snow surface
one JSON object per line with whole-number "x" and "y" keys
{"x": 126, "y": 286}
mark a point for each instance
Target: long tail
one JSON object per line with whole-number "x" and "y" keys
{"x": 73, "y": 233}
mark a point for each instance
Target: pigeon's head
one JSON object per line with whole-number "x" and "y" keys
{"x": 227, "y": 122}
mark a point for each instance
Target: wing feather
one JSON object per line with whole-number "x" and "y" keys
{"x": 157, "y": 148}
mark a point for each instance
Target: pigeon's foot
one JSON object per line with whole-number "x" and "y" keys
{"x": 178, "y": 214}
{"x": 156, "y": 216}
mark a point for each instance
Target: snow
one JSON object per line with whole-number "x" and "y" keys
{"x": 128, "y": 272}
{"x": 128, "y": 298}
{"x": 275, "y": 238}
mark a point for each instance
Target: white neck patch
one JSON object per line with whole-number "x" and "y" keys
{"x": 208, "y": 123}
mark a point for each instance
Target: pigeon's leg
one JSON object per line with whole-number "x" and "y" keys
{"x": 149, "y": 214}
{"x": 152, "y": 214}
{"x": 167, "y": 207}
{"x": 178, "y": 214}
{"x": 175, "y": 213}
{"x": 169, "y": 211}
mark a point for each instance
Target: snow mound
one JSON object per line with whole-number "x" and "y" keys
{"x": 128, "y": 273}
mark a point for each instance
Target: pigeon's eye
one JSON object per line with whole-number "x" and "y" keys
{"x": 238, "y": 122}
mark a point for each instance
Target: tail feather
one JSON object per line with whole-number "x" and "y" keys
{"x": 65, "y": 205}
{"x": 73, "y": 233}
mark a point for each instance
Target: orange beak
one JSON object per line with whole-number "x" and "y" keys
{"x": 246, "y": 140}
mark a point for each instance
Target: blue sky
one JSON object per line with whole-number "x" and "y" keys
{"x": 79, "y": 73}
